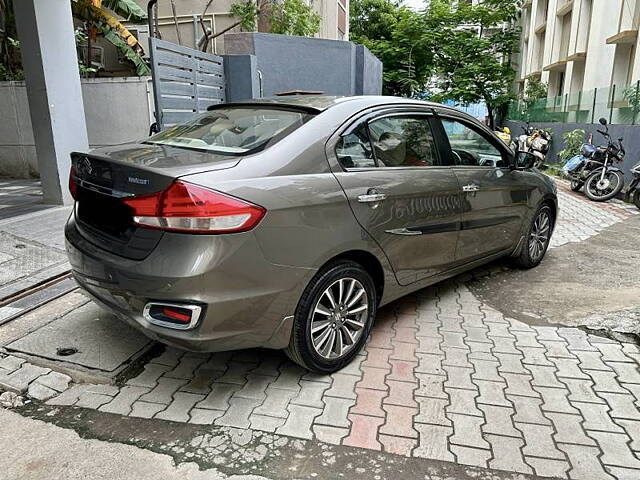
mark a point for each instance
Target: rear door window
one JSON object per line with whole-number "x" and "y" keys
{"x": 233, "y": 130}
{"x": 354, "y": 149}
{"x": 401, "y": 141}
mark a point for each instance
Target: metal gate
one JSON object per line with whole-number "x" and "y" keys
{"x": 185, "y": 81}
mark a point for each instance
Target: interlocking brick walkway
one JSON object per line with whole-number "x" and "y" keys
{"x": 581, "y": 218}
{"x": 443, "y": 376}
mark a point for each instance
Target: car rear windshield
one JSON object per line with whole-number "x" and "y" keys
{"x": 233, "y": 130}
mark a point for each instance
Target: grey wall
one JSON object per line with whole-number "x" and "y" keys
{"x": 368, "y": 72}
{"x": 630, "y": 134}
{"x": 117, "y": 110}
{"x": 241, "y": 72}
{"x": 301, "y": 63}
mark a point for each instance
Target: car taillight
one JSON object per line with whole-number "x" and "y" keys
{"x": 73, "y": 189}
{"x": 184, "y": 207}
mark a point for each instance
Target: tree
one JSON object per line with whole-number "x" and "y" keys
{"x": 474, "y": 44}
{"x": 286, "y": 17}
{"x": 453, "y": 50}
{"x": 400, "y": 38}
{"x": 100, "y": 18}
{"x": 10, "y": 62}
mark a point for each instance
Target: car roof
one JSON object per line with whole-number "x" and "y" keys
{"x": 320, "y": 103}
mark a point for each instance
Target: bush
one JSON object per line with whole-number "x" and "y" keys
{"x": 573, "y": 141}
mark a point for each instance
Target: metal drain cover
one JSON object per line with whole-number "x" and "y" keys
{"x": 88, "y": 336}
{"x": 66, "y": 351}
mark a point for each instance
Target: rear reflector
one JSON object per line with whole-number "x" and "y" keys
{"x": 184, "y": 207}
{"x": 172, "y": 315}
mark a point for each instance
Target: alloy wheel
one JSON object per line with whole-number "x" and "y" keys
{"x": 339, "y": 318}
{"x": 539, "y": 236}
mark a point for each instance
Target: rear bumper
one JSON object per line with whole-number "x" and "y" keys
{"x": 249, "y": 301}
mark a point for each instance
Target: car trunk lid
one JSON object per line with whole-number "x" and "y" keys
{"x": 106, "y": 176}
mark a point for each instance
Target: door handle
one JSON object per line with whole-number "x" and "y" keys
{"x": 371, "y": 197}
{"x": 472, "y": 187}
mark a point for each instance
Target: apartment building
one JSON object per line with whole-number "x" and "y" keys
{"x": 579, "y": 45}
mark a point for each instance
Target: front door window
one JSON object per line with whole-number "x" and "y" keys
{"x": 471, "y": 148}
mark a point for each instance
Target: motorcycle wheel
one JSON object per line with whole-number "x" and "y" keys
{"x": 609, "y": 187}
{"x": 636, "y": 198}
{"x": 576, "y": 185}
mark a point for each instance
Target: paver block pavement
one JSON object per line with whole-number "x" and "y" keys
{"x": 121, "y": 403}
{"x": 19, "y": 380}
{"x": 164, "y": 390}
{"x": 178, "y": 409}
{"x": 238, "y": 413}
{"x": 299, "y": 422}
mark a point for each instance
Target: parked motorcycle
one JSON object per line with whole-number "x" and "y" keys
{"x": 633, "y": 192}
{"x": 536, "y": 141}
{"x": 594, "y": 168}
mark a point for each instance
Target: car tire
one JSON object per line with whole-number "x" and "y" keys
{"x": 535, "y": 248}
{"x": 344, "y": 280}
{"x": 590, "y": 188}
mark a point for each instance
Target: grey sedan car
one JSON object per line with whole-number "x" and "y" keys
{"x": 286, "y": 223}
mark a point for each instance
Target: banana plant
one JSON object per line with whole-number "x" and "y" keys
{"x": 101, "y": 16}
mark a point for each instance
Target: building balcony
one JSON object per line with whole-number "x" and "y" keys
{"x": 564, "y": 8}
{"x": 624, "y": 37}
{"x": 577, "y": 57}
{"x": 541, "y": 28}
{"x": 556, "y": 66}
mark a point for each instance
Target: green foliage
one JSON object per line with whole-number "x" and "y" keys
{"x": 129, "y": 53}
{"x": 247, "y": 13}
{"x": 286, "y": 17}
{"x": 127, "y": 9}
{"x": 294, "y": 17}
{"x": 10, "y": 60}
{"x": 632, "y": 95}
{"x": 573, "y": 141}
{"x": 112, "y": 30}
{"x": 535, "y": 89}
{"x": 474, "y": 62}
{"x": 452, "y": 50}
{"x": 400, "y": 38}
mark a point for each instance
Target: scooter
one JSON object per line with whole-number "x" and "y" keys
{"x": 536, "y": 141}
{"x": 504, "y": 134}
{"x": 633, "y": 192}
{"x": 594, "y": 168}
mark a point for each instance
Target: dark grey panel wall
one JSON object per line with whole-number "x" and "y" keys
{"x": 300, "y": 63}
{"x": 368, "y": 72}
{"x": 630, "y": 133}
{"x": 241, "y": 72}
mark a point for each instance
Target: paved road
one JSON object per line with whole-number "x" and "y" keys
{"x": 447, "y": 383}
{"x": 595, "y": 282}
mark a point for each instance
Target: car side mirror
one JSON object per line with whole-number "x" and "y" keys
{"x": 524, "y": 160}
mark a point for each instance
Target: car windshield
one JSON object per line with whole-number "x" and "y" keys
{"x": 233, "y": 130}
